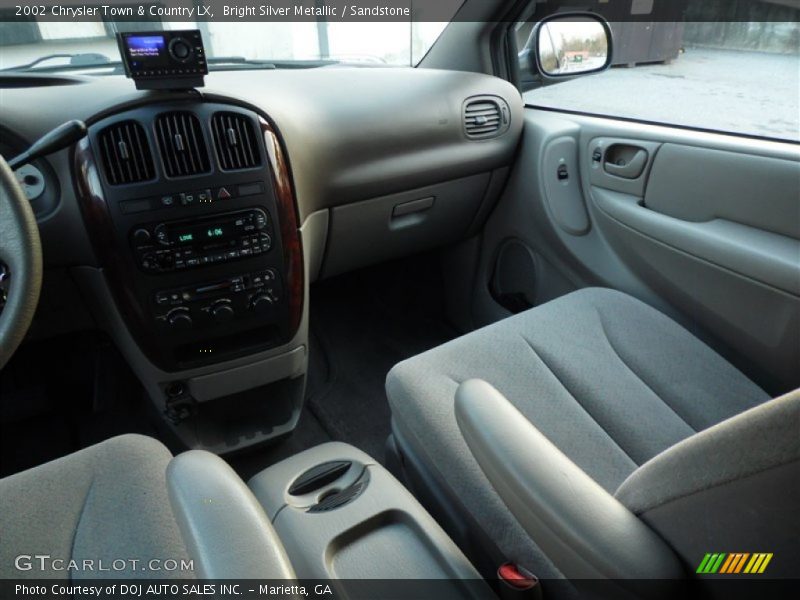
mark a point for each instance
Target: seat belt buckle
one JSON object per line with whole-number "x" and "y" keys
{"x": 517, "y": 583}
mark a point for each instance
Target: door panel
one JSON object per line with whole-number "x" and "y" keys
{"x": 698, "y": 184}
{"x": 705, "y": 227}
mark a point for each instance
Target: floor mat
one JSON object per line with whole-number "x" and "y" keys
{"x": 362, "y": 324}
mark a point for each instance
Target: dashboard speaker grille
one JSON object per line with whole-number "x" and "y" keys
{"x": 126, "y": 153}
{"x": 482, "y": 118}
{"x": 235, "y": 141}
{"x": 182, "y": 146}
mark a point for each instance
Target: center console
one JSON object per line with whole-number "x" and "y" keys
{"x": 342, "y": 516}
{"x": 192, "y": 215}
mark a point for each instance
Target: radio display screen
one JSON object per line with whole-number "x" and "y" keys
{"x": 145, "y": 46}
{"x": 202, "y": 234}
{"x": 146, "y": 52}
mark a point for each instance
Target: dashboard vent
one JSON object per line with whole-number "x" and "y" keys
{"x": 180, "y": 140}
{"x": 235, "y": 140}
{"x": 485, "y": 117}
{"x": 126, "y": 153}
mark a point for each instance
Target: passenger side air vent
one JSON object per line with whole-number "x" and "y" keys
{"x": 180, "y": 140}
{"x": 126, "y": 153}
{"x": 235, "y": 141}
{"x": 485, "y": 116}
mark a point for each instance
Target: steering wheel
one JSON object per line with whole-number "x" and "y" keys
{"x": 20, "y": 263}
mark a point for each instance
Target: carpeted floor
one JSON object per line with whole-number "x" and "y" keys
{"x": 362, "y": 324}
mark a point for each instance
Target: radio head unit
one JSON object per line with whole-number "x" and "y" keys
{"x": 159, "y": 60}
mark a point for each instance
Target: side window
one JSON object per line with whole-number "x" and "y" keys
{"x": 712, "y": 73}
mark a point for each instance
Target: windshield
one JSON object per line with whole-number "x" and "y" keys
{"x": 40, "y": 45}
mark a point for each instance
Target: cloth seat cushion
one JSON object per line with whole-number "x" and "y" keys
{"x": 609, "y": 380}
{"x": 104, "y": 503}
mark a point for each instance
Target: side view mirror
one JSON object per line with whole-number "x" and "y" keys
{"x": 565, "y": 45}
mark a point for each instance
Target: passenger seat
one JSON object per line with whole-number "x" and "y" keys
{"x": 594, "y": 437}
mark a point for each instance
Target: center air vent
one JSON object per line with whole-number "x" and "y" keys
{"x": 126, "y": 153}
{"x": 485, "y": 116}
{"x": 180, "y": 140}
{"x": 235, "y": 141}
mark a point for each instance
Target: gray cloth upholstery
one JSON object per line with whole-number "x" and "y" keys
{"x": 607, "y": 379}
{"x": 225, "y": 528}
{"x": 734, "y": 486}
{"x": 762, "y": 438}
{"x": 105, "y": 503}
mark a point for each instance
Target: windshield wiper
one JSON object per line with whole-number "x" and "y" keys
{"x": 76, "y": 61}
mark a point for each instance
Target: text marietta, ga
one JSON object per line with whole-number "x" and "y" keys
{"x": 267, "y": 10}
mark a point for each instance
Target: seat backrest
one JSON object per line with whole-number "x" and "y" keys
{"x": 733, "y": 488}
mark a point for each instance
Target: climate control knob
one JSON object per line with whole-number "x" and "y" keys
{"x": 179, "y": 318}
{"x": 261, "y": 303}
{"x": 222, "y": 311}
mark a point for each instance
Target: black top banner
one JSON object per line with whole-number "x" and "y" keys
{"x": 392, "y": 10}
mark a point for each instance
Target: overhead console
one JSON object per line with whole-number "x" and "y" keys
{"x": 191, "y": 213}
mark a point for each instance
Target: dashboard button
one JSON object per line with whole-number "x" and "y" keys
{"x": 161, "y": 235}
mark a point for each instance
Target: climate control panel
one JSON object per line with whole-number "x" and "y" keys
{"x": 218, "y": 302}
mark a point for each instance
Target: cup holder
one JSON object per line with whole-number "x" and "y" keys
{"x": 328, "y": 486}
{"x": 336, "y": 499}
{"x": 318, "y": 477}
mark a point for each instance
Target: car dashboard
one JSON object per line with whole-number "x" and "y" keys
{"x": 193, "y": 222}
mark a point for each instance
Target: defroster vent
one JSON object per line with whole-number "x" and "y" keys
{"x": 126, "y": 153}
{"x": 235, "y": 140}
{"x": 182, "y": 146}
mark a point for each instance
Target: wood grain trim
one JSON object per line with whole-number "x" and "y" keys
{"x": 288, "y": 219}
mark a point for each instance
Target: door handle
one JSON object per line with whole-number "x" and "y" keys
{"x": 625, "y": 161}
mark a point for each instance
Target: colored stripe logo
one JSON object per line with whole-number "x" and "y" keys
{"x": 734, "y": 563}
